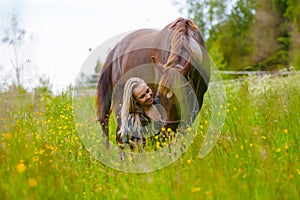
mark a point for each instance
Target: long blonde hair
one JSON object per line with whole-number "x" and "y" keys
{"x": 129, "y": 108}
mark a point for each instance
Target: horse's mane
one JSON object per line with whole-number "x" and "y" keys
{"x": 187, "y": 52}
{"x": 179, "y": 39}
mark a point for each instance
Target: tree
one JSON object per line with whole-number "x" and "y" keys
{"x": 233, "y": 35}
{"x": 14, "y": 37}
{"x": 292, "y": 13}
{"x": 282, "y": 34}
{"x": 205, "y": 13}
{"x": 224, "y": 24}
{"x": 263, "y": 34}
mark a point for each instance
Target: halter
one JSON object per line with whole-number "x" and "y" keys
{"x": 165, "y": 122}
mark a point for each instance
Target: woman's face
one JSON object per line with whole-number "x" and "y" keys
{"x": 143, "y": 95}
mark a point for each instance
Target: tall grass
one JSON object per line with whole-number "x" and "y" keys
{"x": 256, "y": 157}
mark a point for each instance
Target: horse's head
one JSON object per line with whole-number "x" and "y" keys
{"x": 183, "y": 66}
{"x": 172, "y": 91}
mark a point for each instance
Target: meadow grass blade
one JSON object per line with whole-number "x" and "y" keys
{"x": 42, "y": 155}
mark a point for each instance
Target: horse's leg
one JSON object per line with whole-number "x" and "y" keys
{"x": 103, "y": 99}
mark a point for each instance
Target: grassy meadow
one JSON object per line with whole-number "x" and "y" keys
{"x": 256, "y": 157}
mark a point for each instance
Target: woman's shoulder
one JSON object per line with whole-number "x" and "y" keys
{"x": 141, "y": 116}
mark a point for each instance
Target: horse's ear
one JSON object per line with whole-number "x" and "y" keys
{"x": 157, "y": 64}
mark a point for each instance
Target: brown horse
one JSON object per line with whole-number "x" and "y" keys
{"x": 159, "y": 57}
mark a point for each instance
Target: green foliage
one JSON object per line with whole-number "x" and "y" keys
{"x": 217, "y": 56}
{"x": 260, "y": 34}
{"x": 206, "y": 14}
{"x": 235, "y": 41}
{"x": 292, "y": 13}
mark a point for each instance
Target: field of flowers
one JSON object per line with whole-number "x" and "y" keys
{"x": 256, "y": 157}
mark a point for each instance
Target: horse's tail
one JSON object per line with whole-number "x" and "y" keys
{"x": 104, "y": 97}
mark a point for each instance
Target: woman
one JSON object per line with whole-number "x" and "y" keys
{"x": 141, "y": 115}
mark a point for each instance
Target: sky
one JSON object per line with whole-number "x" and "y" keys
{"x": 61, "y": 33}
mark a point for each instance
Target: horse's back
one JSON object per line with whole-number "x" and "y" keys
{"x": 137, "y": 39}
{"x": 133, "y": 51}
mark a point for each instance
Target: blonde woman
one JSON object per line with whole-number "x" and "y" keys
{"x": 141, "y": 115}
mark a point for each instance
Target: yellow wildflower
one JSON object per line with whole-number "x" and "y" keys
{"x": 286, "y": 147}
{"x": 188, "y": 129}
{"x": 157, "y": 145}
{"x": 196, "y": 189}
{"x": 278, "y": 150}
{"x": 35, "y": 158}
{"x": 32, "y": 182}
{"x": 21, "y": 167}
